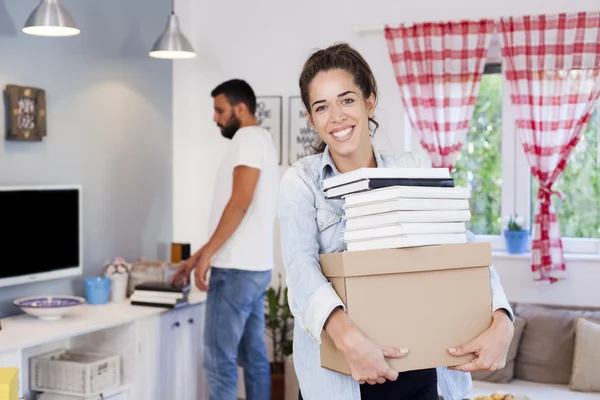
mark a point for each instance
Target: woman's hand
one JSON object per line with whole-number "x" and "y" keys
{"x": 489, "y": 348}
{"x": 365, "y": 358}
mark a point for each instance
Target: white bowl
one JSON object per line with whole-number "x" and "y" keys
{"x": 49, "y": 308}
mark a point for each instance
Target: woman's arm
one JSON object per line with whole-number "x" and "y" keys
{"x": 499, "y": 299}
{"x": 311, "y": 296}
{"x": 313, "y": 301}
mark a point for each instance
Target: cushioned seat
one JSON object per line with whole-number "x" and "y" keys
{"x": 536, "y": 391}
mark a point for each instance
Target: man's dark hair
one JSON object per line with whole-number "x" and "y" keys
{"x": 237, "y": 91}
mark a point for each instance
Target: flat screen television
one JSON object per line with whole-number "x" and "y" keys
{"x": 41, "y": 233}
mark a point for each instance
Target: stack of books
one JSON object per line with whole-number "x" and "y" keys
{"x": 407, "y": 207}
{"x": 366, "y": 179}
{"x": 160, "y": 294}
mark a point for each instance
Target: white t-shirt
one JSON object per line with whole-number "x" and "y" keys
{"x": 251, "y": 245}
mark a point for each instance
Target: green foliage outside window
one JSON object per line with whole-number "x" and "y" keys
{"x": 579, "y": 211}
{"x": 479, "y": 168}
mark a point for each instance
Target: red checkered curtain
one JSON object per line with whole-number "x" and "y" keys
{"x": 553, "y": 66}
{"x": 438, "y": 67}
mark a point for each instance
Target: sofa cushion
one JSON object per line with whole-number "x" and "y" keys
{"x": 585, "y": 377}
{"x": 546, "y": 350}
{"x": 505, "y": 374}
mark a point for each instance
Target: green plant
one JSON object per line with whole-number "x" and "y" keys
{"x": 279, "y": 323}
{"x": 515, "y": 223}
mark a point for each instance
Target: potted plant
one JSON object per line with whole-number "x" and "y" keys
{"x": 515, "y": 237}
{"x": 279, "y": 323}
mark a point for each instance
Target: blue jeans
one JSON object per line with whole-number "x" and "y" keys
{"x": 234, "y": 334}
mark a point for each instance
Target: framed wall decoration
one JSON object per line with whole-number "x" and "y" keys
{"x": 25, "y": 113}
{"x": 303, "y": 139}
{"x": 269, "y": 112}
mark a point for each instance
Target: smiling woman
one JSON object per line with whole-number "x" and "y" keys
{"x": 339, "y": 92}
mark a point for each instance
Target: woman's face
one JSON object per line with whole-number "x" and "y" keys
{"x": 339, "y": 112}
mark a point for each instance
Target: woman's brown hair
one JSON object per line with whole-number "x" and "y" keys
{"x": 339, "y": 56}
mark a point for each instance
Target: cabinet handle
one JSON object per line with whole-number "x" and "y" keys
{"x": 176, "y": 324}
{"x": 191, "y": 320}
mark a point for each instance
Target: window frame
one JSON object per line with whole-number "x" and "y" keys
{"x": 514, "y": 183}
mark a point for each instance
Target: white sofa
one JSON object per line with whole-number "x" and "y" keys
{"x": 533, "y": 390}
{"x": 545, "y": 360}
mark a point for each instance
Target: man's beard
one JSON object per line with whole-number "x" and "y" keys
{"x": 232, "y": 126}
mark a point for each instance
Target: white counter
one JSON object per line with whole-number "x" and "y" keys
{"x": 146, "y": 338}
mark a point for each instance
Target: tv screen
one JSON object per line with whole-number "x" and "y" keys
{"x": 41, "y": 233}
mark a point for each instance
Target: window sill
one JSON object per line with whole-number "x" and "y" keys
{"x": 502, "y": 255}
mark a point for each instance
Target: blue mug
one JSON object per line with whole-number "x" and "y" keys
{"x": 97, "y": 290}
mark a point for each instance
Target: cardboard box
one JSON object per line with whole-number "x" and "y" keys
{"x": 425, "y": 299}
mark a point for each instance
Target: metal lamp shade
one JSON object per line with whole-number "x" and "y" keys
{"x": 51, "y": 18}
{"x": 172, "y": 43}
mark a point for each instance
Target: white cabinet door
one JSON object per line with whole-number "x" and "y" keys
{"x": 171, "y": 350}
{"x": 194, "y": 336}
{"x": 149, "y": 380}
{"x": 189, "y": 338}
{"x": 158, "y": 376}
{"x": 187, "y": 357}
{"x": 178, "y": 349}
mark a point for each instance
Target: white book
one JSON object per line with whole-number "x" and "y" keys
{"x": 386, "y": 173}
{"x": 399, "y": 217}
{"x": 152, "y": 299}
{"x": 159, "y": 294}
{"x": 417, "y": 192}
{"x": 406, "y": 205}
{"x": 407, "y": 241}
{"x": 404, "y": 229}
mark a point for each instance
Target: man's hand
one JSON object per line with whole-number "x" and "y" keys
{"x": 202, "y": 268}
{"x": 183, "y": 272}
{"x": 244, "y": 183}
{"x": 489, "y": 348}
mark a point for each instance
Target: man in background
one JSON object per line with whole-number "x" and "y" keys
{"x": 240, "y": 250}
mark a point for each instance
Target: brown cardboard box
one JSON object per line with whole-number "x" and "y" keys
{"x": 425, "y": 299}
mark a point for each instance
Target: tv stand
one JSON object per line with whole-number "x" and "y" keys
{"x": 161, "y": 350}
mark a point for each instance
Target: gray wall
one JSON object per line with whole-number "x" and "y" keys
{"x": 109, "y": 128}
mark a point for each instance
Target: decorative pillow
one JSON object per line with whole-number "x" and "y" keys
{"x": 505, "y": 374}
{"x": 546, "y": 350}
{"x": 586, "y": 376}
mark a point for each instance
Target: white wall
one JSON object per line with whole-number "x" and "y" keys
{"x": 579, "y": 289}
{"x": 266, "y": 43}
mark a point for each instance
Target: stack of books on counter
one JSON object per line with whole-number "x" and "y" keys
{"x": 160, "y": 294}
{"x": 406, "y": 207}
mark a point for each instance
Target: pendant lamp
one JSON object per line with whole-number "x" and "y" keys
{"x": 51, "y": 18}
{"x": 172, "y": 43}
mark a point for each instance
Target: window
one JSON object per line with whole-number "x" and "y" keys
{"x": 579, "y": 211}
{"x": 493, "y": 165}
{"x": 479, "y": 166}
